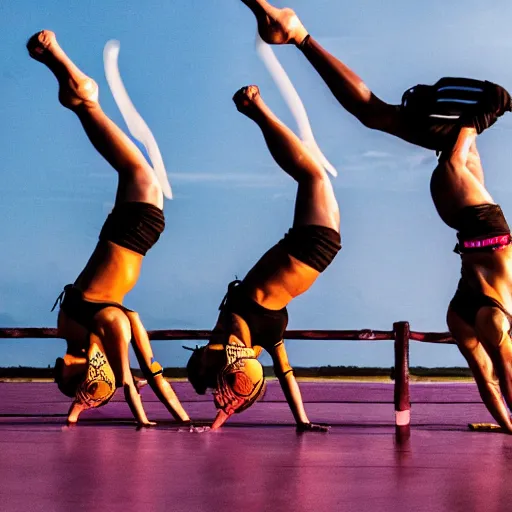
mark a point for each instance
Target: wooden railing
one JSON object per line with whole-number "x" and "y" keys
{"x": 401, "y": 335}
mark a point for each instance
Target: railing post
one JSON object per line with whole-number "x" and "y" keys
{"x": 402, "y": 392}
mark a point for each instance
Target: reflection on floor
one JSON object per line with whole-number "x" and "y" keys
{"x": 257, "y": 462}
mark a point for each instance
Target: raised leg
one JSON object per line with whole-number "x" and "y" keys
{"x": 277, "y": 26}
{"x": 316, "y": 203}
{"x": 79, "y": 93}
{"x": 281, "y": 26}
{"x": 353, "y": 94}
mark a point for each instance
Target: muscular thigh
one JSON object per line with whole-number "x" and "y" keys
{"x": 113, "y": 328}
{"x": 316, "y": 204}
{"x": 471, "y": 346}
{"x": 492, "y": 327}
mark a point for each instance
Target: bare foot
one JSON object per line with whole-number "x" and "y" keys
{"x": 145, "y": 424}
{"x": 312, "y": 427}
{"x": 277, "y": 26}
{"x": 75, "y": 88}
{"x": 248, "y": 101}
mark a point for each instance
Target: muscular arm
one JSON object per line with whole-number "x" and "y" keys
{"x": 132, "y": 397}
{"x": 284, "y": 373}
{"x": 482, "y": 368}
{"x": 487, "y": 382}
{"x": 493, "y": 328}
{"x": 160, "y": 386}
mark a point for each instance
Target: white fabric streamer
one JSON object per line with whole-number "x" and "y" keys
{"x": 292, "y": 99}
{"x": 136, "y": 125}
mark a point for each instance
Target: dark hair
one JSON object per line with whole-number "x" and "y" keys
{"x": 195, "y": 371}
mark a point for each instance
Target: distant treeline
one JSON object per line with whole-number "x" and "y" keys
{"x": 23, "y": 372}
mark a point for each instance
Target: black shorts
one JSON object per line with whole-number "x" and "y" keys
{"x": 481, "y": 227}
{"x": 267, "y": 326}
{"x": 81, "y": 310}
{"x": 134, "y": 225}
{"x": 467, "y": 302}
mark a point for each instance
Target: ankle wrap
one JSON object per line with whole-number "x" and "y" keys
{"x": 303, "y": 43}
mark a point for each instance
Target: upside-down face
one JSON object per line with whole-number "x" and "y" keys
{"x": 232, "y": 371}
{"x": 90, "y": 381}
{"x": 240, "y": 384}
{"x": 69, "y": 372}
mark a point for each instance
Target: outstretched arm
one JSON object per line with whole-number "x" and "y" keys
{"x": 493, "y": 328}
{"x": 284, "y": 373}
{"x": 482, "y": 368}
{"x": 282, "y": 26}
{"x": 152, "y": 370}
{"x": 132, "y": 397}
{"x": 487, "y": 382}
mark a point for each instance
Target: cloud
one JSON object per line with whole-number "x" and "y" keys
{"x": 420, "y": 159}
{"x": 285, "y": 196}
{"x": 376, "y": 154}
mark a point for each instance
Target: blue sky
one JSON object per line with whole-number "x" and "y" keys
{"x": 181, "y": 62}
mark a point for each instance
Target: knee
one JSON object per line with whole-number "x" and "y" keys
{"x": 114, "y": 322}
{"x": 152, "y": 188}
{"x": 142, "y": 184}
{"x": 309, "y": 174}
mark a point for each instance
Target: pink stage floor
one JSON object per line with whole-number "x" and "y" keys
{"x": 258, "y": 462}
